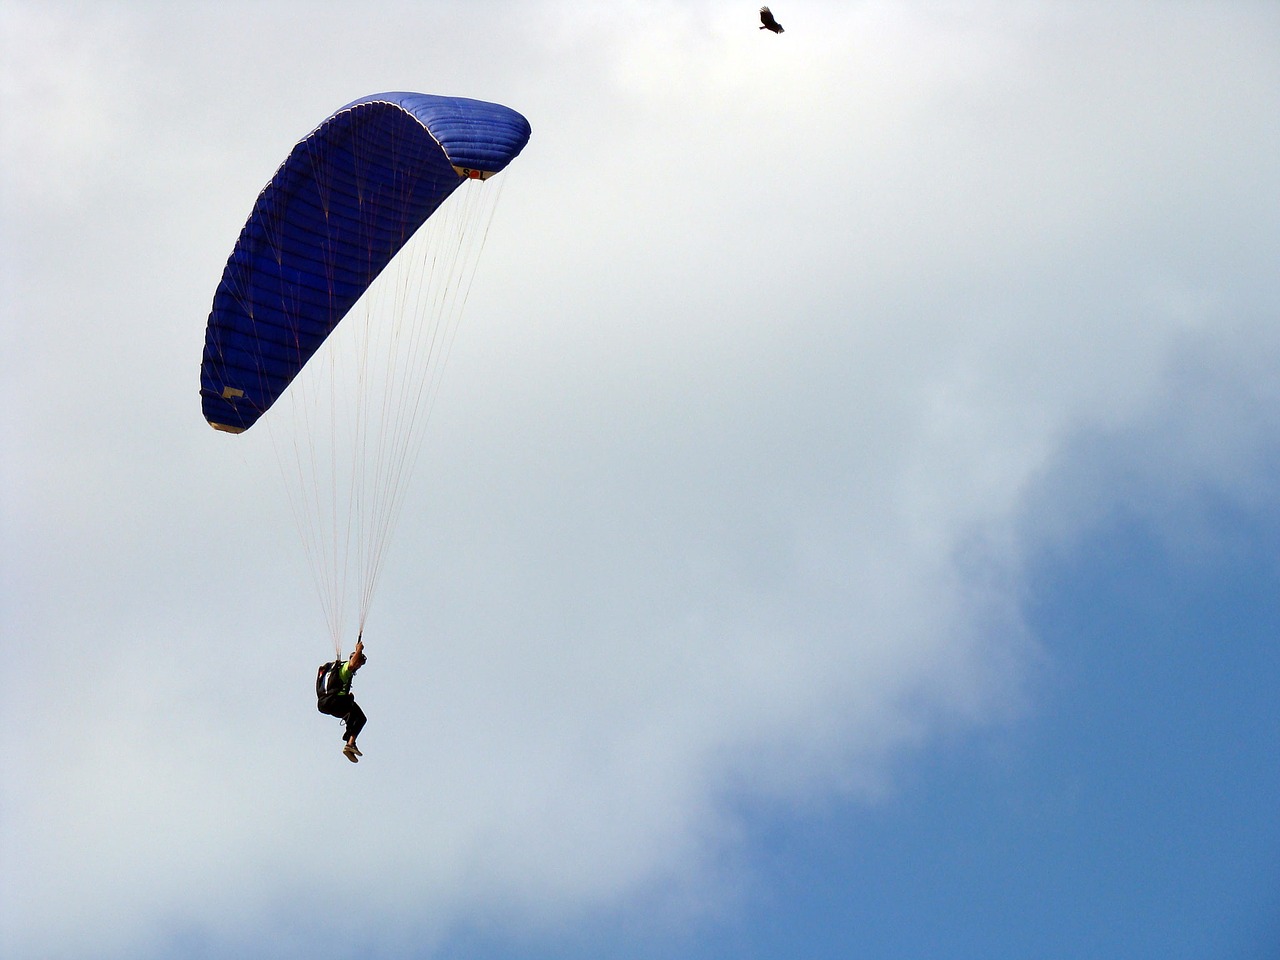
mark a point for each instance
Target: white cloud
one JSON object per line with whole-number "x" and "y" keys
{"x": 784, "y": 350}
{"x": 67, "y": 94}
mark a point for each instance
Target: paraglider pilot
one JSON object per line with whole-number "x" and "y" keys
{"x": 333, "y": 696}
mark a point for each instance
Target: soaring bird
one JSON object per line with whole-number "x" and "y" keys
{"x": 766, "y": 17}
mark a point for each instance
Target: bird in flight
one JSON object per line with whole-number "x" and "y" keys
{"x": 766, "y": 18}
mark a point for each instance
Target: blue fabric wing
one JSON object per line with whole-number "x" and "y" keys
{"x": 349, "y": 196}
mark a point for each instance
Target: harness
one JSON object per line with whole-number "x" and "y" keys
{"x": 329, "y": 680}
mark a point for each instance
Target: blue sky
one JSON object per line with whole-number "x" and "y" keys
{"x": 847, "y": 526}
{"x": 1130, "y": 813}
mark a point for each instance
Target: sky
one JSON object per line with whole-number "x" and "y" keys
{"x": 848, "y": 524}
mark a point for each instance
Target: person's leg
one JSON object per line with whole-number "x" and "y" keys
{"x": 355, "y": 722}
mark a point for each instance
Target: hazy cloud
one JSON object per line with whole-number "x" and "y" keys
{"x": 784, "y": 355}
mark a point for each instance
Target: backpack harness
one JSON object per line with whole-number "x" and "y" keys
{"x": 329, "y": 680}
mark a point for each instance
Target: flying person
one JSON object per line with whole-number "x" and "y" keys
{"x": 333, "y": 697}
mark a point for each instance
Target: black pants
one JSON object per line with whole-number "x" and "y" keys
{"x": 344, "y": 707}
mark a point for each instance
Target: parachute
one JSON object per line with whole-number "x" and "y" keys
{"x": 347, "y": 203}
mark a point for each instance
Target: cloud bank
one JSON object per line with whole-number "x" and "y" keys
{"x": 785, "y": 355}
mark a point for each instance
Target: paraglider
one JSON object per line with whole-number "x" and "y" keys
{"x": 362, "y": 194}
{"x": 339, "y": 208}
{"x": 333, "y": 696}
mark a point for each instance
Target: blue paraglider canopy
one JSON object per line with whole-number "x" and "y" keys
{"x": 349, "y": 196}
